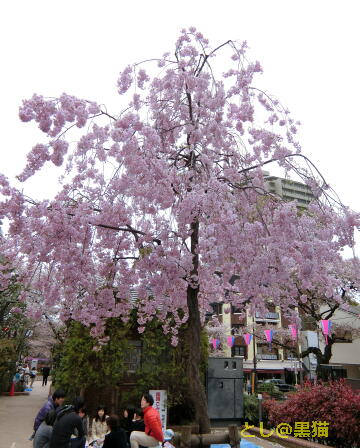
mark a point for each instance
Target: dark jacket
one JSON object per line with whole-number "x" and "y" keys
{"x": 48, "y": 406}
{"x": 137, "y": 425}
{"x": 153, "y": 423}
{"x": 65, "y": 425}
{"x": 46, "y": 371}
{"x": 115, "y": 439}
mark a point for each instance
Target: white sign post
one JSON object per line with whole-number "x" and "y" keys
{"x": 160, "y": 403}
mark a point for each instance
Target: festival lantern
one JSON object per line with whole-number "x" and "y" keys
{"x": 230, "y": 341}
{"x": 247, "y": 338}
{"x": 269, "y": 336}
{"x": 326, "y": 328}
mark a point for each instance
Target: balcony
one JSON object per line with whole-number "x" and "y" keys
{"x": 267, "y": 356}
{"x": 271, "y": 316}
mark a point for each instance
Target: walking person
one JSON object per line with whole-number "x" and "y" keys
{"x": 54, "y": 403}
{"x": 43, "y": 434}
{"x": 33, "y": 374}
{"x": 68, "y": 422}
{"x": 153, "y": 431}
{"x": 116, "y": 438}
{"x": 45, "y": 374}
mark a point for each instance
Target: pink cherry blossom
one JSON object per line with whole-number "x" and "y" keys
{"x": 168, "y": 200}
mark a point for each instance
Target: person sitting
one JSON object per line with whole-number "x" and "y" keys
{"x": 137, "y": 423}
{"x": 54, "y": 403}
{"x": 153, "y": 431}
{"x": 98, "y": 426}
{"x": 116, "y": 438}
{"x": 68, "y": 422}
{"x": 126, "y": 422}
{"x": 43, "y": 434}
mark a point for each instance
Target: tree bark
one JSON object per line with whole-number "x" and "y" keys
{"x": 197, "y": 392}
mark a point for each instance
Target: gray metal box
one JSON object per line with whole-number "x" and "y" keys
{"x": 225, "y": 388}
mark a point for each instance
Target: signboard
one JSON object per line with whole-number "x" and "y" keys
{"x": 160, "y": 403}
{"x": 34, "y": 363}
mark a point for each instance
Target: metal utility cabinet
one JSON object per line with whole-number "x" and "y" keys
{"x": 224, "y": 386}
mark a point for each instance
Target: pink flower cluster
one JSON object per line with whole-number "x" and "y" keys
{"x": 169, "y": 198}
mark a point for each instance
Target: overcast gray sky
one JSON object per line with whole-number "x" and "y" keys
{"x": 309, "y": 50}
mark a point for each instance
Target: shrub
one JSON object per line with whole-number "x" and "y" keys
{"x": 335, "y": 403}
{"x": 251, "y": 409}
{"x": 271, "y": 390}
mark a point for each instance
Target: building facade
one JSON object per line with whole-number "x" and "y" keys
{"x": 269, "y": 362}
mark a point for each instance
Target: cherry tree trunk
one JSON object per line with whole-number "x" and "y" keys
{"x": 196, "y": 385}
{"x": 197, "y": 391}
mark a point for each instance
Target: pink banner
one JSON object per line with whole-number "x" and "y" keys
{"x": 294, "y": 332}
{"x": 247, "y": 337}
{"x": 326, "y": 328}
{"x": 268, "y": 335}
{"x": 230, "y": 341}
{"x": 215, "y": 343}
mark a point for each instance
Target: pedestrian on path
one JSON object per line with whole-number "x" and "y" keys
{"x": 43, "y": 434}
{"x": 68, "y": 422}
{"x": 45, "y": 374}
{"x": 33, "y": 374}
{"x": 54, "y": 403}
{"x": 153, "y": 431}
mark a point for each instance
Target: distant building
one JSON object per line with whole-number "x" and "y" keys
{"x": 289, "y": 190}
{"x": 274, "y": 362}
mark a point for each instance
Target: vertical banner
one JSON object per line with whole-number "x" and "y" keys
{"x": 230, "y": 341}
{"x": 269, "y": 337}
{"x": 247, "y": 337}
{"x": 326, "y": 328}
{"x": 294, "y": 332}
{"x": 160, "y": 403}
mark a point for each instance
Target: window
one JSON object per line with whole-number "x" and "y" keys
{"x": 133, "y": 357}
{"x": 236, "y": 310}
{"x": 343, "y": 336}
{"x": 217, "y": 307}
{"x": 238, "y": 350}
{"x": 235, "y": 328}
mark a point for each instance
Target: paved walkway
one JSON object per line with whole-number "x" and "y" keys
{"x": 17, "y": 416}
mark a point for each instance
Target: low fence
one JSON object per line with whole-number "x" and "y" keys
{"x": 185, "y": 439}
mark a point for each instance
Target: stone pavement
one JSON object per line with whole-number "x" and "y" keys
{"x": 17, "y": 416}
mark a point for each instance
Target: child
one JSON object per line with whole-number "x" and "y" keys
{"x": 168, "y": 435}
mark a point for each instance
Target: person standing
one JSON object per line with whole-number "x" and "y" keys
{"x": 54, "y": 403}
{"x": 68, "y": 422}
{"x": 33, "y": 374}
{"x": 45, "y": 374}
{"x": 153, "y": 431}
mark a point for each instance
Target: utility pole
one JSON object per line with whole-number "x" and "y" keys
{"x": 254, "y": 374}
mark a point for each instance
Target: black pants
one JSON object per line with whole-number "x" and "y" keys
{"x": 44, "y": 383}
